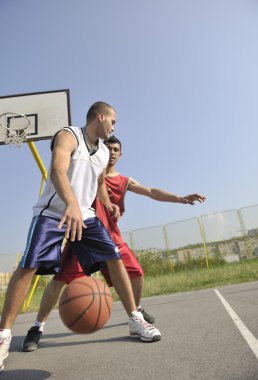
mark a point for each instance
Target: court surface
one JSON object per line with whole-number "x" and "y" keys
{"x": 206, "y": 334}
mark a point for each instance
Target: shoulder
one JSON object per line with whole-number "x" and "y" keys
{"x": 132, "y": 181}
{"x": 73, "y": 131}
{"x": 117, "y": 178}
{"x": 133, "y": 185}
{"x": 121, "y": 181}
{"x": 123, "y": 178}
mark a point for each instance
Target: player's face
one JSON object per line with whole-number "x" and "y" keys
{"x": 106, "y": 124}
{"x": 115, "y": 153}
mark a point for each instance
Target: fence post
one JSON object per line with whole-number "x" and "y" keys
{"x": 204, "y": 241}
{"x": 165, "y": 233}
{"x": 131, "y": 241}
{"x": 244, "y": 233}
{"x": 17, "y": 259}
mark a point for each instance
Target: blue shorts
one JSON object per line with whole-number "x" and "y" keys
{"x": 44, "y": 242}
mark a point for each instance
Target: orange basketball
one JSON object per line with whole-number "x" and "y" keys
{"x": 85, "y": 305}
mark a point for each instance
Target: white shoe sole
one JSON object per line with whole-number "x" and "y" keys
{"x": 155, "y": 338}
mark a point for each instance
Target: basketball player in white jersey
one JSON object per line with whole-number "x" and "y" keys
{"x": 77, "y": 171}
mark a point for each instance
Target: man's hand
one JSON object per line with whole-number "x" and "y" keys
{"x": 114, "y": 211}
{"x": 190, "y": 199}
{"x": 74, "y": 223}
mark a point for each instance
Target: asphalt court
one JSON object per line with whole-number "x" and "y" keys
{"x": 200, "y": 340}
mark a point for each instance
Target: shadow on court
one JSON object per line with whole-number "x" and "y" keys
{"x": 16, "y": 342}
{"x": 25, "y": 374}
{"x": 199, "y": 342}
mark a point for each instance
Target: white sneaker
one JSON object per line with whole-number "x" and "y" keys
{"x": 4, "y": 350}
{"x": 140, "y": 329}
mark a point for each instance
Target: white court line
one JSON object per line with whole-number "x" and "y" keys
{"x": 247, "y": 335}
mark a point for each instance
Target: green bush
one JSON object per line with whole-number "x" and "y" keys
{"x": 162, "y": 263}
{"x": 152, "y": 264}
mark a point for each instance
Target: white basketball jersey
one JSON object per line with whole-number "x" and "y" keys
{"x": 83, "y": 174}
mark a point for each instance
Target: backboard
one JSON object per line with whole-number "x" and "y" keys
{"x": 47, "y": 111}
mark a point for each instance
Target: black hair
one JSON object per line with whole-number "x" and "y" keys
{"x": 113, "y": 140}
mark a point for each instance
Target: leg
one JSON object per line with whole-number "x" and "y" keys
{"x": 97, "y": 246}
{"x": 137, "y": 285}
{"x": 15, "y": 295}
{"x": 134, "y": 270}
{"x": 135, "y": 273}
{"x": 138, "y": 327}
{"x": 122, "y": 284}
{"x": 48, "y": 301}
{"x": 35, "y": 257}
{"x": 70, "y": 270}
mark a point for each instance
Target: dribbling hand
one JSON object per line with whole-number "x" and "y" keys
{"x": 74, "y": 222}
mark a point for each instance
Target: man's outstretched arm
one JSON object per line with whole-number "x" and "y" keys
{"x": 162, "y": 195}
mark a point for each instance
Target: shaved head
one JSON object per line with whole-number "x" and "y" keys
{"x": 97, "y": 108}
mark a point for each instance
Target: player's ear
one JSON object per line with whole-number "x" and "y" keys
{"x": 100, "y": 116}
{"x": 120, "y": 154}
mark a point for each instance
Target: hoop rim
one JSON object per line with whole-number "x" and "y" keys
{"x": 13, "y": 114}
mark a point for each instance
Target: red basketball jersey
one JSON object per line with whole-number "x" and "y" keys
{"x": 116, "y": 187}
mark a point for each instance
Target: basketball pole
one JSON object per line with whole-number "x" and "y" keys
{"x": 37, "y": 158}
{"x": 43, "y": 170}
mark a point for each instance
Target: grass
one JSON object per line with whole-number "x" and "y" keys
{"x": 227, "y": 274}
{"x": 181, "y": 281}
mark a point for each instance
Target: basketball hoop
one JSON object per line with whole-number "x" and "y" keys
{"x": 15, "y": 125}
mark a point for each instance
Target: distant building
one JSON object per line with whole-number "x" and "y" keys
{"x": 253, "y": 232}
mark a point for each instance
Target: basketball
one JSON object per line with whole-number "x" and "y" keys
{"x": 85, "y": 305}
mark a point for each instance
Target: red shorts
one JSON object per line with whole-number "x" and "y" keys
{"x": 71, "y": 269}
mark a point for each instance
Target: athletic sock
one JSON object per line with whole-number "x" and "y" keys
{"x": 136, "y": 314}
{"x": 4, "y": 333}
{"x": 139, "y": 307}
{"x": 40, "y": 325}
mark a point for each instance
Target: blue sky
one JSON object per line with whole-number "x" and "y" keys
{"x": 183, "y": 77}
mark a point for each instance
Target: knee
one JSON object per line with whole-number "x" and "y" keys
{"x": 115, "y": 264}
{"x": 25, "y": 272}
{"x": 57, "y": 285}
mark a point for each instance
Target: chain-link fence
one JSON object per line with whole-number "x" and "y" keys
{"x": 229, "y": 235}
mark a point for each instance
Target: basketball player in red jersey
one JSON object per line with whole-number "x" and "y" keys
{"x": 117, "y": 185}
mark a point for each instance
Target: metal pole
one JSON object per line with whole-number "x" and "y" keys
{"x": 244, "y": 232}
{"x": 38, "y": 160}
{"x": 165, "y": 233}
{"x": 43, "y": 170}
{"x": 131, "y": 241}
{"x": 204, "y": 241}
